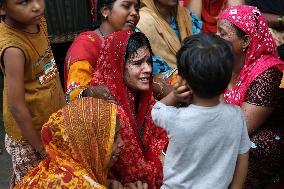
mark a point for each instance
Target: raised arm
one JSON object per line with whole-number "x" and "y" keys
{"x": 195, "y": 6}
{"x": 274, "y": 20}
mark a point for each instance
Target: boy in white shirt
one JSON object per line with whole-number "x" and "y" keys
{"x": 209, "y": 142}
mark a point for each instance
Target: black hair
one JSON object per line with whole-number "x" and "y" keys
{"x": 100, "y": 5}
{"x": 136, "y": 41}
{"x": 205, "y": 61}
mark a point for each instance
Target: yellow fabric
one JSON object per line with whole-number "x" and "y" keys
{"x": 43, "y": 91}
{"x": 79, "y": 77}
{"x": 79, "y": 141}
{"x": 163, "y": 39}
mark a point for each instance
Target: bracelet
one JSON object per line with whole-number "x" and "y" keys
{"x": 280, "y": 20}
{"x": 161, "y": 93}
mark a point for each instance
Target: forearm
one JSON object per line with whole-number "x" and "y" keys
{"x": 240, "y": 171}
{"x": 235, "y": 2}
{"x": 170, "y": 100}
{"x": 274, "y": 21}
{"x": 195, "y": 6}
{"x": 23, "y": 118}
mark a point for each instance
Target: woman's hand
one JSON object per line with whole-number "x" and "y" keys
{"x": 137, "y": 185}
{"x": 161, "y": 88}
{"x": 114, "y": 184}
{"x": 100, "y": 91}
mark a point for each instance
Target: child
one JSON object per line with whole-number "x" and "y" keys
{"x": 209, "y": 142}
{"x": 32, "y": 89}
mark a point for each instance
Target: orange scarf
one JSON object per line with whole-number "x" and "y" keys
{"x": 79, "y": 141}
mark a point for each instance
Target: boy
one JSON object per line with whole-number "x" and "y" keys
{"x": 209, "y": 141}
{"x": 32, "y": 90}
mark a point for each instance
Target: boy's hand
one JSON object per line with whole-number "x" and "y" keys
{"x": 182, "y": 93}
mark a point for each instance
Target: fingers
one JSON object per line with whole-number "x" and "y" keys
{"x": 130, "y": 185}
{"x": 139, "y": 184}
{"x": 145, "y": 186}
{"x": 114, "y": 184}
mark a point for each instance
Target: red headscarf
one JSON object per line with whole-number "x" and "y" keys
{"x": 261, "y": 54}
{"x": 210, "y": 11}
{"x": 143, "y": 141}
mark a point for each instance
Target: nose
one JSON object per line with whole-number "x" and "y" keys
{"x": 147, "y": 67}
{"x": 37, "y": 5}
{"x": 134, "y": 11}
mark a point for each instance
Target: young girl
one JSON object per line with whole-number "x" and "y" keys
{"x": 32, "y": 89}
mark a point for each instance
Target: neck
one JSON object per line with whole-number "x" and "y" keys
{"x": 21, "y": 27}
{"x": 238, "y": 64}
{"x": 165, "y": 12}
{"x": 106, "y": 29}
{"x": 205, "y": 102}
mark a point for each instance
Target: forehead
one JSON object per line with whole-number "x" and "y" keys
{"x": 127, "y": 1}
{"x": 225, "y": 25}
{"x": 140, "y": 53}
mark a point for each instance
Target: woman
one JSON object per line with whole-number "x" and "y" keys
{"x": 79, "y": 140}
{"x": 254, "y": 87}
{"x": 166, "y": 24}
{"x": 125, "y": 67}
{"x": 113, "y": 15}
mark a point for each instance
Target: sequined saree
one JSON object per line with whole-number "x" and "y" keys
{"x": 143, "y": 141}
{"x": 78, "y": 139}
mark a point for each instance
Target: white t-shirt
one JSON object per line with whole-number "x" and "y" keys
{"x": 204, "y": 144}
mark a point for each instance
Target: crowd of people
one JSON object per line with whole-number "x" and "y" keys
{"x": 159, "y": 94}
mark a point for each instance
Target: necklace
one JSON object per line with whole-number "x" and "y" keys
{"x": 101, "y": 33}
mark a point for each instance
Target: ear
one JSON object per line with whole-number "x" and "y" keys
{"x": 246, "y": 41}
{"x": 2, "y": 10}
{"x": 105, "y": 11}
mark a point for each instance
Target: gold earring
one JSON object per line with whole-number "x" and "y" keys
{"x": 244, "y": 48}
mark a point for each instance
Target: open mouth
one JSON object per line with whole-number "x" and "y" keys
{"x": 131, "y": 22}
{"x": 144, "y": 79}
{"x": 38, "y": 17}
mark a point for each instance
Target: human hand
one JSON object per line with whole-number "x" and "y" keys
{"x": 100, "y": 91}
{"x": 162, "y": 157}
{"x": 41, "y": 150}
{"x": 137, "y": 185}
{"x": 182, "y": 93}
{"x": 114, "y": 184}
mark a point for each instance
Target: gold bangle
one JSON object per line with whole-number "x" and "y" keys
{"x": 161, "y": 93}
{"x": 280, "y": 20}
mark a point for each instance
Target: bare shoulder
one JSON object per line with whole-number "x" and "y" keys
{"x": 13, "y": 54}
